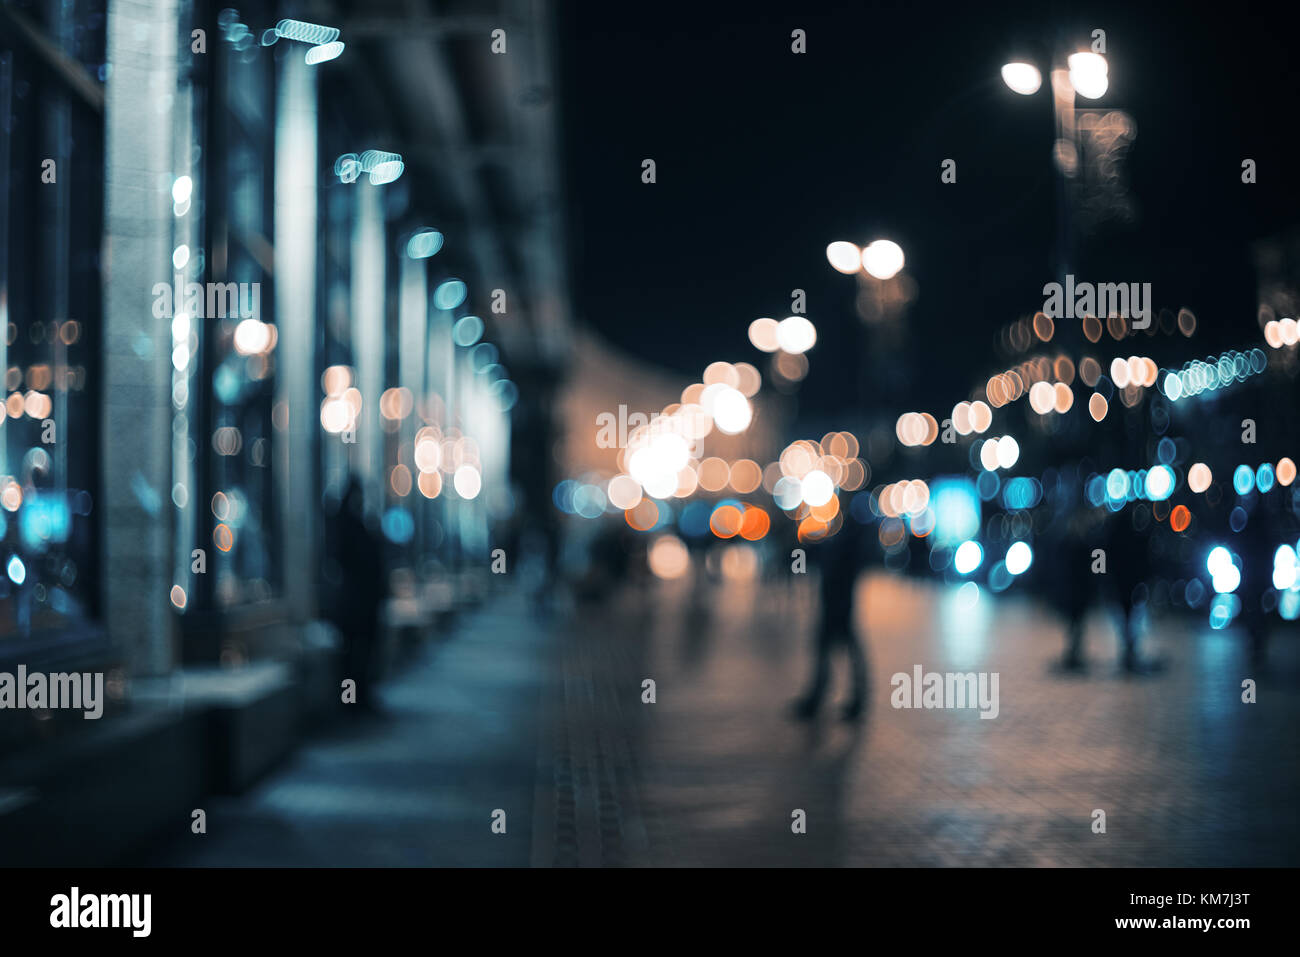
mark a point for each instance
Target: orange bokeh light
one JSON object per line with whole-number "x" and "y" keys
{"x": 754, "y": 524}
{"x": 1285, "y": 471}
{"x": 726, "y": 521}
{"x": 826, "y": 512}
{"x": 644, "y": 516}
{"x": 223, "y": 537}
{"x": 811, "y": 530}
{"x": 1180, "y": 518}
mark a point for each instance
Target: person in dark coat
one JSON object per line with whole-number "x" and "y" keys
{"x": 839, "y": 559}
{"x": 358, "y": 556}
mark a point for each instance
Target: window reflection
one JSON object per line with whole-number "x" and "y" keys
{"x": 51, "y": 162}
{"x": 240, "y": 369}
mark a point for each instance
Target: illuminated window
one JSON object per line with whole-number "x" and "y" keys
{"x": 51, "y": 171}
{"x": 232, "y": 395}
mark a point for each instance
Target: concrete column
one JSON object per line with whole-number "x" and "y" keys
{"x": 413, "y": 320}
{"x": 412, "y": 323}
{"x": 368, "y": 285}
{"x": 136, "y": 414}
{"x": 295, "y": 312}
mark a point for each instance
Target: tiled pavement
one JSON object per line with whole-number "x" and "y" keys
{"x": 1186, "y": 773}
{"x": 415, "y": 788}
{"x": 547, "y": 721}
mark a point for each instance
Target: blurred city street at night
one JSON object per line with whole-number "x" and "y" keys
{"x": 523, "y": 433}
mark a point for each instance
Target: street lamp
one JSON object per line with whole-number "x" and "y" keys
{"x": 844, "y": 257}
{"x": 882, "y": 259}
{"x": 1023, "y": 78}
{"x": 1087, "y": 76}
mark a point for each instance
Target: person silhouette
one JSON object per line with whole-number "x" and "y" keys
{"x": 839, "y": 559}
{"x": 358, "y": 556}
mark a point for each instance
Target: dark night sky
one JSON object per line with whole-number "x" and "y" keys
{"x": 765, "y": 156}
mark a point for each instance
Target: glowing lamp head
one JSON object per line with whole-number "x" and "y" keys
{"x": 817, "y": 487}
{"x": 796, "y": 335}
{"x": 1088, "y": 74}
{"x": 1022, "y": 78}
{"x": 883, "y": 259}
{"x": 844, "y": 257}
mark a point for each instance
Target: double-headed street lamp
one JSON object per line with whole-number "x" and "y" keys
{"x": 882, "y": 259}
{"x": 1086, "y": 74}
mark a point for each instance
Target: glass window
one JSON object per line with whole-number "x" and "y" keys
{"x": 238, "y": 507}
{"x": 335, "y": 367}
{"x": 51, "y": 170}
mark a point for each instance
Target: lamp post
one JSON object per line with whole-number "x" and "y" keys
{"x": 1087, "y": 75}
{"x": 882, "y": 259}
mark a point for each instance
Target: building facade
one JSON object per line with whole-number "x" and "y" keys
{"x": 240, "y": 272}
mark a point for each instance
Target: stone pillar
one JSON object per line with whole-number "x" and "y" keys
{"x": 295, "y": 312}
{"x": 135, "y": 497}
{"x": 368, "y": 285}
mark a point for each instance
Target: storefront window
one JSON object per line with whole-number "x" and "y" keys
{"x": 239, "y": 335}
{"x": 51, "y": 170}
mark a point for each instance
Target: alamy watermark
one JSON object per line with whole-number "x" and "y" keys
{"x": 1128, "y": 300}
{"x": 75, "y": 909}
{"x": 621, "y": 430}
{"x": 79, "y": 691}
{"x": 931, "y": 689}
{"x": 212, "y": 300}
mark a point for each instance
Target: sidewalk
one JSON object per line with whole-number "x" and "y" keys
{"x": 547, "y": 722}
{"x": 1186, "y": 773}
{"x": 417, "y": 787}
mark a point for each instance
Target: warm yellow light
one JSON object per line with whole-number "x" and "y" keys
{"x": 669, "y": 558}
{"x": 1041, "y": 397}
{"x": 883, "y": 259}
{"x": 844, "y": 257}
{"x": 430, "y": 484}
{"x": 1119, "y": 373}
{"x": 253, "y": 337}
{"x": 762, "y": 336}
{"x": 796, "y": 335}
{"x": 399, "y": 480}
{"x": 989, "y": 455}
{"x": 961, "y": 418}
{"x": 1285, "y": 471}
{"x": 1023, "y": 78}
{"x": 1289, "y": 330}
{"x": 336, "y": 380}
{"x": 1088, "y": 74}
{"x": 467, "y": 482}
{"x": 624, "y": 492}
{"x": 1199, "y": 477}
